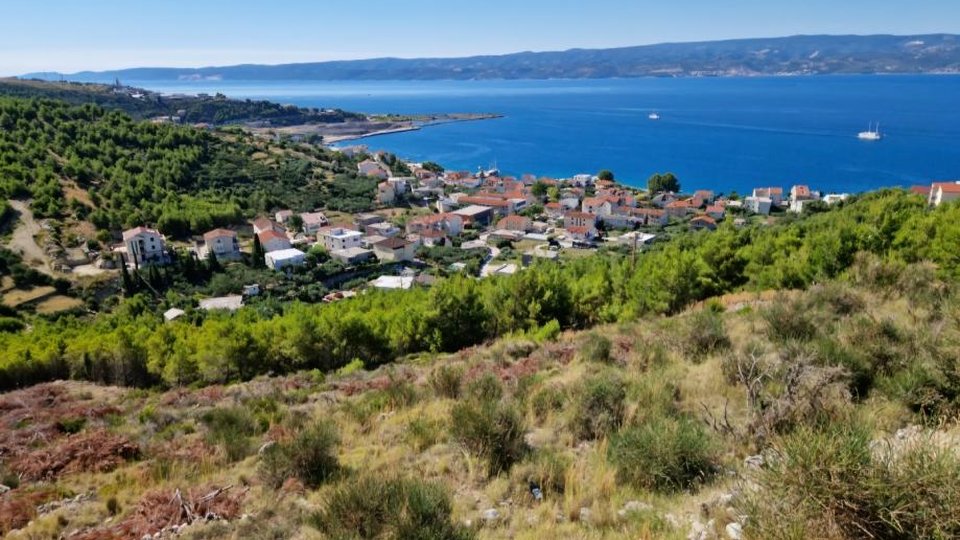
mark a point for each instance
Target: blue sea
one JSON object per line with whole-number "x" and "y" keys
{"x": 719, "y": 133}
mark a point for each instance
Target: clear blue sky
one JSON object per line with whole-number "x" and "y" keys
{"x": 72, "y": 35}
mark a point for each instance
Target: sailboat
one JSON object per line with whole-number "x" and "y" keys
{"x": 654, "y": 116}
{"x": 870, "y": 134}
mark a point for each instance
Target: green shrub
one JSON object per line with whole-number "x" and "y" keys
{"x": 400, "y": 393}
{"x": 705, "y": 334}
{"x": 485, "y": 388}
{"x": 72, "y": 425}
{"x": 447, "y": 381}
{"x": 423, "y": 432}
{"x": 600, "y": 408}
{"x": 545, "y": 468}
{"x": 789, "y": 322}
{"x": 113, "y": 507}
{"x": 231, "y": 428}
{"x": 839, "y": 479}
{"x": 372, "y": 507}
{"x": 548, "y": 399}
{"x": 310, "y": 457}
{"x": 664, "y": 454}
{"x": 595, "y": 348}
{"x": 491, "y": 430}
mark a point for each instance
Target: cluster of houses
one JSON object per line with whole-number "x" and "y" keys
{"x": 574, "y": 213}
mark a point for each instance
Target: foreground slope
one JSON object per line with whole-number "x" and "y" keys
{"x": 776, "y": 415}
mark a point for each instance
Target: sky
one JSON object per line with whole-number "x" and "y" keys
{"x": 75, "y": 35}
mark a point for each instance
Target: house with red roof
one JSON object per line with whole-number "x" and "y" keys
{"x": 145, "y": 246}
{"x": 449, "y": 223}
{"x": 775, "y": 194}
{"x": 222, "y": 243}
{"x": 581, "y": 226}
{"x": 704, "y": 222}
{"x": 516, "y": 223}
{"x": 941, "y": 192}
{"x": 271, "y": 240}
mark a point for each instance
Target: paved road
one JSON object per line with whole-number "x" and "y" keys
{"x": 487, "y": 269}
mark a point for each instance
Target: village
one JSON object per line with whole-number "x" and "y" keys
{"x": 511, "y": 221}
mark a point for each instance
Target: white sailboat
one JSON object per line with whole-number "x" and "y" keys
{"x": 870, "y": 134}
{"x": 654, "y": 116}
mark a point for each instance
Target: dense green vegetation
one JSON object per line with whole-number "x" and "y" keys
{"x": 132, "y": 346}
{"x": 184, "y": 180}
{"x": 216, "y": 109}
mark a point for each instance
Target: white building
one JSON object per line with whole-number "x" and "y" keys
{"x": 941, "y": 192}
{"x": 145, "y": 246}
{"x": 313, "y": 221}
{"x": 758, "y": 205}
{"x": 339, "y": 239}
{"x": 285, "y": 258}
{"x": 226, "y": 303}
{"x": 273, "y": 241}
{"x": 222, "y": 243}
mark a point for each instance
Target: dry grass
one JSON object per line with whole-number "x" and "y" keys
{"x": 16, "y": 298}
{"x": 381, "y": 434}
{"x": 58, "y": 303}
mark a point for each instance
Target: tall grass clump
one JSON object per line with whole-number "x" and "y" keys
{"x": 706, "y": 334}
{"x": 838, "y": 481}
{"x": 231, "y": 429}
{"x": 789, "y": 321}
{"x": 600, "y": 406}
{"x": 595, "y": 348}
{"x": 491, "y": 429}
{"x": 372, "y": 507}
{"x": 664, "y": 454}
{"x": 310, "y": 457}
{"x": 447, "y": 381}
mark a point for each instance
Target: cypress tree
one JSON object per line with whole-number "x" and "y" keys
{"x": 258, "y": 253}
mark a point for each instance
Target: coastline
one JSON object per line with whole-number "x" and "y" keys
{"x": 334, "y": 133}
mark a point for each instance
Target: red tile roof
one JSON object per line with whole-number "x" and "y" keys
{"x": 392, "y": 243}
{"x": 947, "y": 187}
{"x": 138, "y": 230}
{"x": 217, "y": 233}
{"x": 271, "y": 234}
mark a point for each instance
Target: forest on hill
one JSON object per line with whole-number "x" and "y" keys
{"x": 143, "y": 104}
{"x": 182, "y": 179}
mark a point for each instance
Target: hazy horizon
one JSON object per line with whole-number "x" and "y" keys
{"x": 69, "y": 37}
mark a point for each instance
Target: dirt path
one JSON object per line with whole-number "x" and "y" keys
{"x": 23, "y": 239}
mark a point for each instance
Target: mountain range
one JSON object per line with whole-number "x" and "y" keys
{"x": 794, "y": 55}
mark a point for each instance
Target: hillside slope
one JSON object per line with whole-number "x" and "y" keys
{"x": 747, "y": 418}
{"x": 795, "y": 55}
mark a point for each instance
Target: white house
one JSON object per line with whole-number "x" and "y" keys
{"x": 145, "y": 246}
{"x": 373, "y": 169}
{"x": 941, "y": 192}
{"x": 273, "y": 241}
{"x": 386, "y": 193}
{"x": 284, "y": 258}
{"x": 339, "y": 239}
{"x": 758, "y": 205}
{"x": 222, "y": 243}
{"x": 266, "y": 224}
{"x": 394, "y": 250}
{"x": 313, "y": 221}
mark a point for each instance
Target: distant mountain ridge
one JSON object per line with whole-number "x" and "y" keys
{"x": 795, "y": 55}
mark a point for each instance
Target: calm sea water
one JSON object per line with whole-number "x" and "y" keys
{"x": 721, "y": 134}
